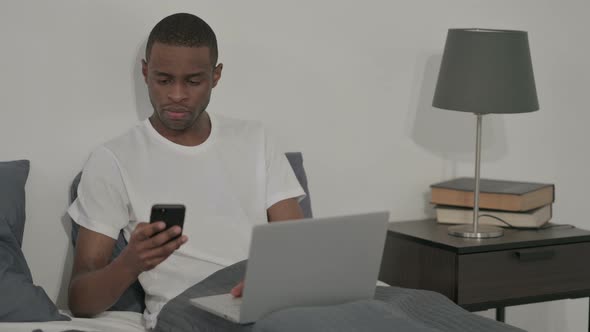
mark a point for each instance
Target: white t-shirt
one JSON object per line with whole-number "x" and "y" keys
{"x": 226, "y": 183}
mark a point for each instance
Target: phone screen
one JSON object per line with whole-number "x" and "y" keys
{"x": 171, "y": 214}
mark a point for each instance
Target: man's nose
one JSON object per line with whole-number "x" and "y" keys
{"x": 177, "y": 92}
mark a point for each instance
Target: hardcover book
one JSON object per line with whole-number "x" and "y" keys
{"x": 528, "y": 219}
{"x": 493, "y": 194}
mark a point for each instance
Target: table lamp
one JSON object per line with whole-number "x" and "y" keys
{"x": 485, "y": 71}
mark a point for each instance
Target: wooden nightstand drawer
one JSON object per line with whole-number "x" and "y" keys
{"x": 521, "y": 273}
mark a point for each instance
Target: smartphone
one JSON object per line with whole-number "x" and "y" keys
{"x": 171, "y": 214}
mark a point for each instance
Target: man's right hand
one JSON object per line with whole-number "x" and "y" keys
{"x": 150, "y": 244}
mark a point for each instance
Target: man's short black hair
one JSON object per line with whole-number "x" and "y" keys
{"x": 183, "y": 29}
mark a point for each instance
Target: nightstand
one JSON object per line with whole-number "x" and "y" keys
{"x": 523, "y": 266}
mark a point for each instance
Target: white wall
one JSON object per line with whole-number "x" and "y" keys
{"x": 349, "y": 83}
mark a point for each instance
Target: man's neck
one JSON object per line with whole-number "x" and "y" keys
{"x": 197, "y": 134}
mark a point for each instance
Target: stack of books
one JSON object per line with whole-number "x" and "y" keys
{"x": 501, "y": 203}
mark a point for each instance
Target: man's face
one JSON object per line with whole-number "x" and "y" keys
{"x": 179, "y": 80}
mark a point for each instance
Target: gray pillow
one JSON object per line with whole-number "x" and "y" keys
{"x": 20, "y": 299}
{"x": 296, "y": 161}
{"x": 13, "y": 176}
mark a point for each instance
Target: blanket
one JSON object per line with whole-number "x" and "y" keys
{"x": 392, "y": 309}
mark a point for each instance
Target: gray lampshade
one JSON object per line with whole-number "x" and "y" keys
{"x": 486, "y": 71}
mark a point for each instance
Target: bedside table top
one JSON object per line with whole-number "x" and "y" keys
{"x": 430, "y": 232}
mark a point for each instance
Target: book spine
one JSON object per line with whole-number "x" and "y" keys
{"x": 529, "y": 219}
{"x": 493, "y": 201}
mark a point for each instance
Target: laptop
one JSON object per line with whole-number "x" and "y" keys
{"x": 307, "y": 262}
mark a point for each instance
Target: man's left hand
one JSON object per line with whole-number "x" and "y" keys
{"x": 237, "y": 290}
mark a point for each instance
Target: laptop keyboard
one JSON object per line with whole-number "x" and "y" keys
{"x": 233, "y": 307}
{"x": 224, "y": 305}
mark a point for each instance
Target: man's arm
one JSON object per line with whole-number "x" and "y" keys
{"x": 287, "y": 209}
{"x": 96, "y": 284}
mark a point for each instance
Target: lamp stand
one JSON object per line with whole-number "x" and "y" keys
{"x": 475, "y": 230}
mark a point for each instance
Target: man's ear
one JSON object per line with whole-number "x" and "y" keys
{"x": 144, "y": 70}
{"x": 217, "y": 74}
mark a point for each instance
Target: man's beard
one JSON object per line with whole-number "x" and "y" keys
{"x": 180, "y": 124}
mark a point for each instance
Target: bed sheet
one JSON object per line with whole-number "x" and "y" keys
{"x": 110, "y": 321}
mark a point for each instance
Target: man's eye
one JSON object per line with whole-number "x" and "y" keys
{"x": 194, "y": 82}
{"x": 163, "y": 82}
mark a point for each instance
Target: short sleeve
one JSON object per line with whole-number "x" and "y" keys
{"x": 281, "y": 182}
{"x": 102, "y": 202}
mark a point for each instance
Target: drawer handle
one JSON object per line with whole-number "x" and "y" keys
{"x": 534, "y": 255}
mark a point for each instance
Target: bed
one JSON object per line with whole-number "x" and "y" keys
{"x": 112, "y": 321}
{"x": 26, "y": 307}
{"x": 392, "y": 309}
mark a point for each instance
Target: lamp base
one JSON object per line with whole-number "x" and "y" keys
{"x": 483, "y": 231}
